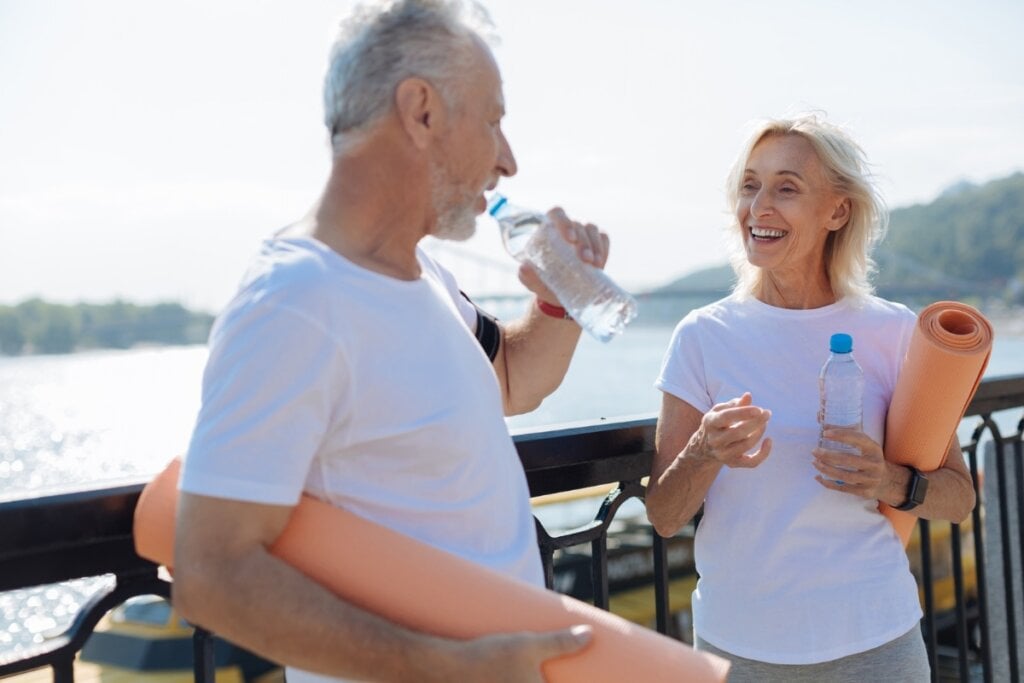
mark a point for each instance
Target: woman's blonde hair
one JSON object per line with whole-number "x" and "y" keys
{"x": 848, "y": 262}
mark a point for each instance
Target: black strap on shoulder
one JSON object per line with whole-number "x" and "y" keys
{"x": 487, "y": 331}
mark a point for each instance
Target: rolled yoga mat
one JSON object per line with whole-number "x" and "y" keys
{"x": 429, "y": 590}
{"x": 947, "y": 356}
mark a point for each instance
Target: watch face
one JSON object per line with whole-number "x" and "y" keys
{"x": 919, "y": 488}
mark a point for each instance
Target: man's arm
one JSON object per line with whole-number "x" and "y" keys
{"x": 226, "y": 580}
{"x": 536, "y": 349}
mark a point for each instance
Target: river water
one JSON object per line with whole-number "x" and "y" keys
{"x": 100, "y": 417}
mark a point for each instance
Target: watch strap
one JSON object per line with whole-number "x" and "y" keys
{"x": 552, "y": 310}
{"x": 917, "y": 487}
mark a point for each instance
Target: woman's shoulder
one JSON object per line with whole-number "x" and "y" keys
{"x": 884, "y": 309}
{"x": 717, "y": 313}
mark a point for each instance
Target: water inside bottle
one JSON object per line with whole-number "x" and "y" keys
{"x": 517, "y": 225}
{"x": 516, "y": 231}
{"x": 599, "y": 305}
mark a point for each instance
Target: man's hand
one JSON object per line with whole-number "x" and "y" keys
{"x": 591, "y": 247}
{"x": 517, "y": 657}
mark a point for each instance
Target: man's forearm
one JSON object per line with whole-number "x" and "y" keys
{"x": 536, "y": 351}
{"x": 263, "y": 604}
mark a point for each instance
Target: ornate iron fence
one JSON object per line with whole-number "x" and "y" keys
{"x": 88, "y": 533}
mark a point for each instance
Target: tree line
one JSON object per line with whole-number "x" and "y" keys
{"x": 968, "y": 243}
{"x": 36, "y": 326}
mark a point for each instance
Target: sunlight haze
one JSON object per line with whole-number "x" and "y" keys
{"x": 146, "y": 148}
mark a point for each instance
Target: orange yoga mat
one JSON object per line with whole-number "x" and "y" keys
{"x": 946, "y": 359}
{"x": 429, "y": 590}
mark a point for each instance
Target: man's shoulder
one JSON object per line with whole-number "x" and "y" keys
{"x": 293, "y": 269}
{"x": 284, "y": 275}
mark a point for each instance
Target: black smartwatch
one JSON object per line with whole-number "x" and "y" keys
{"x": 917, "y": 487}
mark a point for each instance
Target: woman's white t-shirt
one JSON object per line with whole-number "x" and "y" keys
{"x": 792, "y": 572}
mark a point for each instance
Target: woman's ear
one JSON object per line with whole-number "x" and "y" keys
{"x": 419, "y": 110}
{"x": 841, "y": 214}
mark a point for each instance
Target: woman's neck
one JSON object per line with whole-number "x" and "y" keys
{"x": 794, "y": 292}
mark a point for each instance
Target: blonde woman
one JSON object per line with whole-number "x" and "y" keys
{"x": 801, "y": 578}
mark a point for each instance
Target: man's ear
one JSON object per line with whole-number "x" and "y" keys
{"x": 841, "y": 214}
{"x": 419, "y": 109}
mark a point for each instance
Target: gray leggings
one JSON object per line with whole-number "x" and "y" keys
{"x": 903, "y": 660}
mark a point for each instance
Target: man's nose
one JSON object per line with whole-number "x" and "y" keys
{"x": 506, "y": 160}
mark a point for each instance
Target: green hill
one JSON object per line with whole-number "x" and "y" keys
{"x": 717, "y": 278}
{"x": 968, "y": 244}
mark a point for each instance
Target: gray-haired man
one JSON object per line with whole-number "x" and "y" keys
{"x": 349, "y": 367}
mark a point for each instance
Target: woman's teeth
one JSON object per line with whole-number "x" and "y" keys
{"x": 767, "y": 233}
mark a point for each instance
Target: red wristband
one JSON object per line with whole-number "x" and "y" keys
{"x": 552, "y": 310}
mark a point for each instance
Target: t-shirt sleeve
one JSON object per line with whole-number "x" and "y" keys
{"x": 269, "y": 390}
{"x": 682, "y": 369}
{"x": 909, "y": 320}
{"x": 467, "y": 309}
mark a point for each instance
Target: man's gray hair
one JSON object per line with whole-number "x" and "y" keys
{"x": 386, "y": 42}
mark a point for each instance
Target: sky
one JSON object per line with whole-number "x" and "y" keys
{"x": 147, "y": 147}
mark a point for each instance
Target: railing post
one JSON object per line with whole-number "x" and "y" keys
{"x": 64, "y": 670}
{"x": 961, "y": 607}
{"x": 1018, "y": 467}
{"x": 1007, "y": 553}
{"x": 546, "y": 547}
{"x": 977, "y": 523}
{"x": 599, "y": 569}
{"x": 661, "y": 601}
{"x": 925, "y": 542}
{"x": 203, "y": 656}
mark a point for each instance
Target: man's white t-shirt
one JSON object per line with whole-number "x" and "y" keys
{"x": 368, "y": 392}
{"x": 792, "y": 572}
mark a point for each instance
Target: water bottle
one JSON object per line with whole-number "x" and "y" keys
{"x": 841, "y": 384}
{"x": 600, "y": 306}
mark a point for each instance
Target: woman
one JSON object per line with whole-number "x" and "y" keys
{"x": 801, "y": 578}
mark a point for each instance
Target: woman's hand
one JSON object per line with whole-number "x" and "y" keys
{"x": 690, "y": 449}
{"x": 866, "y": 475}
{"x": 729, "y": 432}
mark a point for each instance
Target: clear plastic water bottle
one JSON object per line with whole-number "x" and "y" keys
{"x": 600, "y": 306}
{"x": 841, "y": 384}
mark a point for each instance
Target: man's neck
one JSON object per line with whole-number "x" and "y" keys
{"x": 375, "y": 208}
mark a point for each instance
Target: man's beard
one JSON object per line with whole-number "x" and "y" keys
{"x": 455, "y": 207}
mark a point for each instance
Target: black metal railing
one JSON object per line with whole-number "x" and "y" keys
{"x": 88, "y": 533}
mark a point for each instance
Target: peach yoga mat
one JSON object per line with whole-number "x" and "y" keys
{"x": 430, "y": 590}
{"x": 948, "y": 353}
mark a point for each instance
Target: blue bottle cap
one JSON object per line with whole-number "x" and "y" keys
{"x": 495, "y": 202}
{"x": 840, "y": 343}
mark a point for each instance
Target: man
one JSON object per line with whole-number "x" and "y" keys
{"x": 347, "y": 368}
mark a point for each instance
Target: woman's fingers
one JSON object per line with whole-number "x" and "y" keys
{"x": 733, "y": 429}
{"x": 861, "y": 474}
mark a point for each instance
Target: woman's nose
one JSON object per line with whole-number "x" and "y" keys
{"x": 761, "y": 204}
